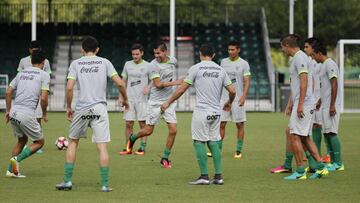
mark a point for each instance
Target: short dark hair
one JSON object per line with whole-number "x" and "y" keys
{"x": 312, "y": 41}
{"x": 137, "y": 46}
{"x": 160, "y": 45}
{"x": 207, "y": 50}
{"x": 320, "y": 48}
{"x": 37, "y": 57}
{"x": 293, "y": 40}
{"x": 234, "y": 43}
{"x": 90, "y": 44}
{"x": 34, "y": 45}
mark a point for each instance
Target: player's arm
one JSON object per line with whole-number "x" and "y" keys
{"x": 289, "y": 106}
{"x": 44, "y": 103}
{"x": 334, "y": 87}
{"x": 122, "y": 89}
{"x": 245, "y": 91}
{"x": 158, "y": 84}
{"x": 303, "y": 86}
{"x": 179, "y": 91}
{"x": 8, "y": 95}
{"x": 232, "y": 92}
{"x": 69, "y": 97}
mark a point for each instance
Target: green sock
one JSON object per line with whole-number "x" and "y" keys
{"x": 104, "y": 174}
{"x": 200, "y": 153}
{"x": 316, "y": 136}
{"x": 288, "y": 160}
{"x": 320, "y": 165}
{"x": 220, "y": 142}
{"x": 142, "y": 145}
{"x": 300, "y": 169}
{"x": 336, "y": 147}
{"x": 166, "y": 153}
{"x": 10, "y": 168}
{"x": 330, "y": 148}
{"x": 133, "y": 137}
{"x": 239, "y": 144}
{"x": 25, "y": 153}
{"x": 216, "y": 155}
{"x": 69, "y": 168}
{"x": 311, "y": 160}
{"x": 327, "y": 144}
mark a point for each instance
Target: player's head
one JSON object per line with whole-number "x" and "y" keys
{"x": 290, "y": 44}
{"x": 320, "y": 53}
{"x": 160, "y": 51}
{"x": 233, "y": 49}
{"x": 309, "y": 44}
{"x": 90, "y": 44}
{"x": 137, "y": 52}
{"x": 34, "y": 45}
{"x": 38, "y": 58}
{"x": 206, "y": 50}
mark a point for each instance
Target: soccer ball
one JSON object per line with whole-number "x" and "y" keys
{"x": 61, "y": 143}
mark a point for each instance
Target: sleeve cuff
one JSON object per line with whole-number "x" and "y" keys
{"x": 303, "y": 71}
{"x": 71, "y": 78}
{"x": 332, "y": 76}
{"x": 114, "y": 73}
{"x": 124, "y": 75}
{"x": 247, "y": 74}
{"x": 154, "y": 76}
{"x": 228, "y": 83}
{"x": 190, "y": 82}
{"x": 45, "y": 88}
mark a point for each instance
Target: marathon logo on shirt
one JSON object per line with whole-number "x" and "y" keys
{"x": 89, "y": 63}
{"x": 207, "y": 74}
{"x": 213, "y": 117}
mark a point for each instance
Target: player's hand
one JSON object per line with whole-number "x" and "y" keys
{"x": 318, "y": 104}
{"x": 288, "y": 110}
{"x": 180, "y": 80}
{"x": 164, "y": 106}
{"x": 300, "y": 111}
{"x": 45, "y": 118}
{"x": 69, "y": 114}
{"x": 146, "y": 90}
{"x": 242, "y": 100}
{"x": 125, "y": 104}
{"x": 227, "y": 106}
{"x": 332, "y": 110}
{"x": 120, "y": 101}
{"x": 7, "y": 117}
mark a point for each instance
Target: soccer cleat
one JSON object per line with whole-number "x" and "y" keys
{"x": 165, "y": 163}
{"x": 106, "y": 189}
{"x": 200, "y": 181}
{"x": 335, "y": 167}
{"x": 216, "y": 181}
{"x": 319, "y": 174}
{"x": 209, "y": 154}
{"x": 296, "y": 176}
{"x": 64, "y": 186}
{"x": 237, "y": 155}
{"x": 124, "y": 152}
{"x": 12, "y": 175}
{"x": 129, "y": 146}
{"x": 15, "y": 165}
{"x": 326, "y": 159}
{"x": 40, "y": 151}
{"x": 309, "y": 170}
{"x": 140, "y": 152}
{"x": 281, "y": 169}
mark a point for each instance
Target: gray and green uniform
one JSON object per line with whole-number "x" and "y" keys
{"x": 28, "y": 84}
{"x": 165, "y": 71}
{"x": 90, "y": 73}
{"x": 329, "y": 70}
{"x": 236, "y": 71}
{"x": 137, "y": 76}
{"x": 209, "y": 80}
{"x": 299, "y": 64}
{"x": 26, "y": 62}
{"x": 316, "y": 67}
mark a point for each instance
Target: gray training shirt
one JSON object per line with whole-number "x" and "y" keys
{"x": 236, "y": 71}
{"x": 90, "y": 73}
{"x": 209, "y": 80}
{"x": 329, "y": 70}
{"x": 26, "y": 62}
{"x": 28, "y": 84}
{"x": 166, "y": 72}
{"x": 299, "y": 64}
{"x": 137, "y": 76}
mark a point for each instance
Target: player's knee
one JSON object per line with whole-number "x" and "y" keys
{"x": 172, "y": 131}
{"x": 129, "y": 125}
{"x": 40, "y": 142}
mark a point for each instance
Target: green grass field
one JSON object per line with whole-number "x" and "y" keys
{"x": 141, "y": 179}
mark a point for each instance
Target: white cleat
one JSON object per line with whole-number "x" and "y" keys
{"x": 12, "y": 175}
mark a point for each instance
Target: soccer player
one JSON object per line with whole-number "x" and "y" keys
{"x": 162, "y": 74}
{"x": 330, "y": 103}
{"x": 208, "y": 79}
{"x": 135, "y": 75}
{"x": 90, "y": 72}
{"x": 239, "y": 72}
{"x": 31, "y": 85}
{"x": 316, "y": 130}
{"x": 26, "y": 62}
{"x": 302, "y": 109}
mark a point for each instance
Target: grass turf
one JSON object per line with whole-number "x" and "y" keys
{"x": 141, "y": 179}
